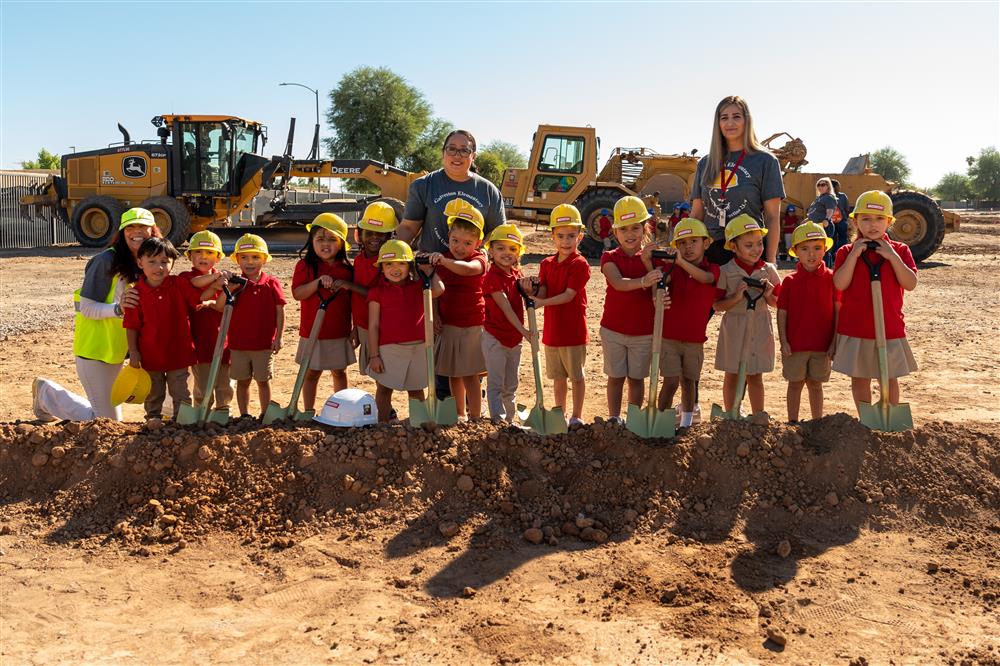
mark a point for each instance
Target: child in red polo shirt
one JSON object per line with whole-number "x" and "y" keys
{"x": 322, "y": 269}
{"x": 856, "y": 353}
{"x": 627, "y": 322}
{"x": 396, "y": 359}
{"x": 257, "y": 323}
{"x": 158, "y": 331}
{"x": 458, "y": 351}
{"x": 807, "y": 319}
{"x": 374, "y": 228}
{"x": 789, "y": 221}
{"x": 561, "y": 290}
{"x": 205, "y": 252}
{"x": 504, "y": 328}
{"x": 692, "y": 294}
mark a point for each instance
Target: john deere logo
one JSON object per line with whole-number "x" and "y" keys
{"x": 134, "y": 166}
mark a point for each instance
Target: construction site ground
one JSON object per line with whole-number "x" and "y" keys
{"x": 736, "y": 543}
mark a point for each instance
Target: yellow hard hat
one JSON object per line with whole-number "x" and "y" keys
{"x": 507, "y": 232}
{"x": 874, "y": 203}
{"x": 379, "y": 217}
{"x": 739, "y": 225}
{"x": 808, "y": 231}
{"x": 565, "y": 215}
{"x": 204, "y": 240}
{"x": 251, "y": 243}
{"x": 630, "y": 210}
{"x": 136, "y": 216}
{"x": 332, "y": 223}
{"x": 689, "y": 227}
{"x": 460, "y": 209}
{"x": 131, "y": 385}
{"x": 394, "y": 250}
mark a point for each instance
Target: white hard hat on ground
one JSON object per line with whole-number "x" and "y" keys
{"x": 349, "y": 408}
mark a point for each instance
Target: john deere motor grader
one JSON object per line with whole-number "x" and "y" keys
{"x": 202, "y": 170}
{"x": 563, "y": 168}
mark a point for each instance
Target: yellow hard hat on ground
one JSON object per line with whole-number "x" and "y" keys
{"x": 251, "y": 243}
{"x": 332, "y": 223}
{"x": 131, "y": 385}
{"x": 809, "y": 231}
{"x": 460, "y": 209}
{"x": 689, "y": 227}
{"x": 565, "y": 215}
{"x": 507, "y": 232}
{"x": 630, "y": 210}
{"x": 205, "y": 240}
{"x": 394, "y": 250}
{"x": 874, "y": 203}
{"x": 137, "y": 216}
{"x": 378, "y": 217}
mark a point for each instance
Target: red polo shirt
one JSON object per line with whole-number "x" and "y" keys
{"x": 808, "y": 297}
{"x": 255, "y": 315}
{"x": 337, "y": 322}
{"x": 162, "y": 321}
{"x": 857, "y": 317}
{"x": 627, "y": 312}
{"x": 462, "y": 302}
{"x": 686, "y": 320}
{"x": 204, "y": 325}
{"x": 401, "y": 310}
{"x": 496, "y": 323}
{"x": 565, "y": 325}
{"x": 365, "y": 273}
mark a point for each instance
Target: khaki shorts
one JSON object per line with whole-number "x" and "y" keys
{"x": 363, "y": 350}
{"x": 246, "y": 364}
{"x": 806, "y": 365}
{"x": 327, "y": 354}
{"x": 458, "y": 351}
{"x": 565, "y": 362}
{"x": 626, "y": 355}
{"x": 682, "y": 359}
{"x": 858, "y": 357}
{"x": 405, "y": 367}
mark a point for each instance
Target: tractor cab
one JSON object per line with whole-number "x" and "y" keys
{"x": 212, "y": 155}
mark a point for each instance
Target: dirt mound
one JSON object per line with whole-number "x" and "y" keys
{"x": 144, "y": 487}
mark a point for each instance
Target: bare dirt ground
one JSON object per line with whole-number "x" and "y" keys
{"x": 735, "y": 543}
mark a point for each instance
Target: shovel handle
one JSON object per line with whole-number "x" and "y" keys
{"x": 528, "y": 300}
{"x": 238, "y": 280}
{"x": 324, "y": 302}
{"x": 424, "y": 260}
{"x": 753, "y": 283}
{"x": 874, "y": 269}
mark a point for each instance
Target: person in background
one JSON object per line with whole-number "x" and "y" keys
{"x": 788, "y": 223}
{"x": 841, "y": 227}
{"x": 825, "y": 212}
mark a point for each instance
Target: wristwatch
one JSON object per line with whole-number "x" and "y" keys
{"x": 118, "y": 310}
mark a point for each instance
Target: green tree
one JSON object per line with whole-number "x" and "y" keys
{"x": 891, "y": 164}
{"x": 46, "y": 160}
{"x": 984, "y": 175}
{"x": 490, "y": 167}
{"x": 953, "y": 186}
{"x": 507, "y": 152}
{"x": 376, "y": 114}
{"x": 427, "y": 154}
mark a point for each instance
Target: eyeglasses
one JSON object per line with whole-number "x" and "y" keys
{"x": 452, "y": 151}
{"x": 821, "y": 185}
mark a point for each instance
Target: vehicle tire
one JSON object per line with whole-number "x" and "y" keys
{"x": 95, "y": 220}
{"x": 397, "y": 207}
{"x": 595, "y": 204}
{"x": 919, "y": 223}
{"x": 172, "y": 217}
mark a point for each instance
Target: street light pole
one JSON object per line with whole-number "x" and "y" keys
{"x": 315, "y": 92}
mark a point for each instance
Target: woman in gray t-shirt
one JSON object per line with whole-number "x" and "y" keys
{"x": 739, "y": 175}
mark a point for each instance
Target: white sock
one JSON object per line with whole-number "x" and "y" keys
{"x": 686, "y": 419}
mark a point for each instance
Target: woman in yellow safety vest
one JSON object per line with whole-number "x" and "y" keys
{"x": 99, "y": 342}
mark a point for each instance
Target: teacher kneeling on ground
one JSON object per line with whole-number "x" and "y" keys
{"x": 739, "y": 175}
{"x": 99, "y": 342}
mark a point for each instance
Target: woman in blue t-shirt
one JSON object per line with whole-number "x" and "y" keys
{"x": 824, "y": 211}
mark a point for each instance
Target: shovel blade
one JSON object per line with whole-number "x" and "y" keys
{"x": 887, "y": 418}
{"x": 188, "y": 414}
{"x": 274, "y": 412}
{"x": 444, "y": 412}
{"x": 543, "y": 421}
{"x": 306, "y": 415}
{"x": 718, "y": 412}
{"x": 220, "y": 416}
{"x": 651, "y": 423}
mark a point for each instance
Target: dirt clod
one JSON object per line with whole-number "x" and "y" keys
{"x": 533, "y": 535}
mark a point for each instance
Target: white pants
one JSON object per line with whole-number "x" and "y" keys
{"x": 502, "y": 364}
{"x": 97, "y": 378}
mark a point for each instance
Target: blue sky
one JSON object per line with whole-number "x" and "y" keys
{"x": 847, "y": 78}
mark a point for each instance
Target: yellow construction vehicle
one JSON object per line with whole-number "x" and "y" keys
{"x": 563, "y": 168}
{"x": 203, "y": 170}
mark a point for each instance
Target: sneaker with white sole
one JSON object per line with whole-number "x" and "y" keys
{"x": 40, "y": 413}
{"x": 617, "y": 420}
{"x": 573, "y": 421}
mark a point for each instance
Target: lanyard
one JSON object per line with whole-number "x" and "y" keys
{"x": 725, "y": 180}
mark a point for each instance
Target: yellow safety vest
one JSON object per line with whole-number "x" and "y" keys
{"x": 99, "y": 339}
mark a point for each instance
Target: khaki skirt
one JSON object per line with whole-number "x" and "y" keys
{"x": 327, "y": 354}
{"x": 405, "y": 367}
{"x": 858, "y": 357}
{"x": 458, "y": 351}
{"x": 363, "y": 350}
